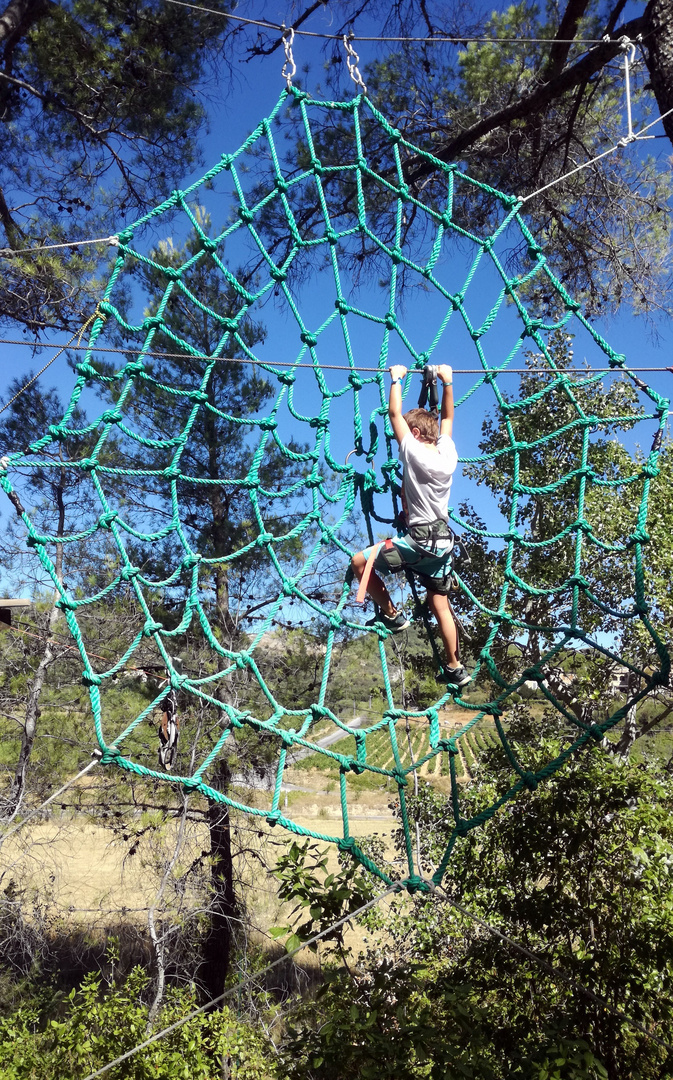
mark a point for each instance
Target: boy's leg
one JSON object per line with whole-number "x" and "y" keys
{"x": 439, "y": 605}
{"x": 375, "y": 587}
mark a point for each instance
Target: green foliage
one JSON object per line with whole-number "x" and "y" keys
{"x": 323, "y": 897}
{"x": 579, "y": 871}
{"x": 97, "y": 1023}
{"x": 389, "y": 1023}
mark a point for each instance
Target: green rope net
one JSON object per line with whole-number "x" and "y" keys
{"x": 310, "y": 231}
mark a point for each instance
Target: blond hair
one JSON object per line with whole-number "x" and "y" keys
{"x": 425, "y": 422}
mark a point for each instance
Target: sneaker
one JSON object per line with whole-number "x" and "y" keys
{"x": 456, "y": 676}
{"x": 394, "y": 623}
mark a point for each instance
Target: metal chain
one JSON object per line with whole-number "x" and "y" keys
{"x": 289, "y": 67}
{"x": 352, "y": 59}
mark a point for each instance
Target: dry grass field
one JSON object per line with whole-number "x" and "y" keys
{"x": 80, "y": 872}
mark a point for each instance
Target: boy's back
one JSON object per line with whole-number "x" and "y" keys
{"x": 428, "y": 471}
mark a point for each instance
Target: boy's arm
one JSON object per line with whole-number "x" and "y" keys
{"x": 445, "y": 373}
{"x": 399, "y": 424}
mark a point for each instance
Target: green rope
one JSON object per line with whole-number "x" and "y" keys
{"x": 327, "y": 489}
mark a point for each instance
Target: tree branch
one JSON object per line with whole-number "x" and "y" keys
{"x": 558, "y": 52}
{"x": 534, "y": 102}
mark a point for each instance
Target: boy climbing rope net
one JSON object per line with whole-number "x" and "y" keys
{"x": 429, "y": 461}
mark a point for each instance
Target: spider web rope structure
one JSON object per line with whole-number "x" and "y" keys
{"x": 315, "y": 205}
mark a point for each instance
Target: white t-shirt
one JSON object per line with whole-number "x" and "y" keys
{"x": 427, "y": 478}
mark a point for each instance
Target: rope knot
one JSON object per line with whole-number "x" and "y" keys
{"x": 596, "y": 733}
{"x": 356, "y": 382}
{"x": 151, "y": 627}
{"x": 134, "y": 367}
{"x": 64, "y": 604}
{"x": 308, "y": 339}
{"x": 318, "y": 712}
{"x": 287, "y": 377}
{"x": 109, "y": 754}
{"x": 650, "y": 470}
{"x": 246, "y": 215}
{"x": 278, "y": 275}
{"x": 105, "y": 520}
{"x": 396, "y": 255}
{"x": 190, "y": 783}
{"x": 281, "y": 185}
{"x": 35, "y": 541}
{"x": 128, "y": 573}
{"x": 332, "y": 236}
{"x": 341, "y": 306}
{"x": 191, "y": 560}
{"x": 57, "y": 433}
{"x": 317, "y": 168}
{"x": 390, "y": 321}
{"x": 89, "y": 678}
{"x": 638, "y": 536}
{"x": 394, "y": 135}
{"x": 530, "y": 780}
{"x": 85, "y": 369}
{"x": 111, "y": 416}
{"x": 171, "y": 272}
{"x": 313, "y": 482}
{"x": 125, "y": 236}
{"x": 346, "y": 843}
{"x": 152, "y": 322}
{"x": 415, "y": 884}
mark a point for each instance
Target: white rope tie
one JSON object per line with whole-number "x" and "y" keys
{"x": 113, "y": 241}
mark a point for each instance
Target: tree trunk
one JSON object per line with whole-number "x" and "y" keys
{"x": 223, "y": 909}
{"x": 659, "y": 56}
{"x": 16, "y": 20}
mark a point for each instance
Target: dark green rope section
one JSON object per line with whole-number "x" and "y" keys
{"x": 325, "y": 493}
